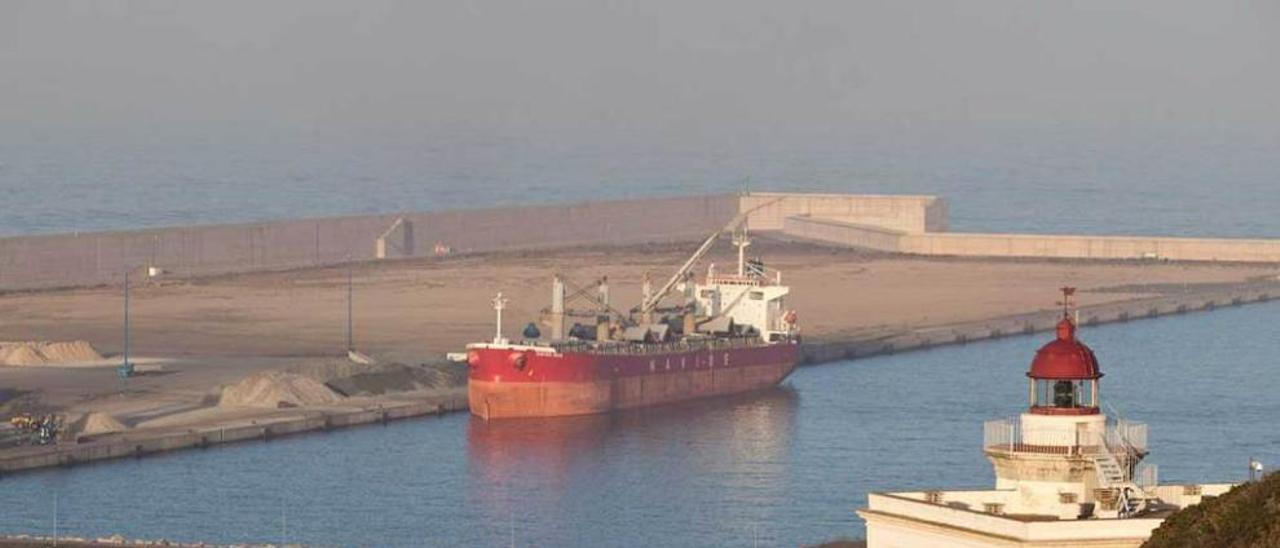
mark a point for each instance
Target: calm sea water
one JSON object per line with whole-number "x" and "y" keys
{"x": 782, "y": 468}
{"x": 1172, "y": 185}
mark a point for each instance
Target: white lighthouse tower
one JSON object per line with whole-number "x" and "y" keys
{"x": 1066, "y": 473}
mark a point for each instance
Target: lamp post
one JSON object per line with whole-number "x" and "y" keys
{"x": 350, "y": 338}
{"x": 126, "y": 368}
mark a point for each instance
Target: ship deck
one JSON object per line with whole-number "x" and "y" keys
{"x": 629, "y": 348}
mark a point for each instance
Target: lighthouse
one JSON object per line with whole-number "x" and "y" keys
{"x": 1063, "y": 448}
{"x": 1067, "y": 473}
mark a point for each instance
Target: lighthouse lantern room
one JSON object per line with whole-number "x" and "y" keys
{"x": 1064, "y": 374}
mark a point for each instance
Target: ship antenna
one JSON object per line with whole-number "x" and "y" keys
{"x": 499, "y": 303}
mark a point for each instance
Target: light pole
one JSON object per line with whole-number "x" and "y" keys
{"x": 126, "y": 368}
{"x": 350, "y": 342}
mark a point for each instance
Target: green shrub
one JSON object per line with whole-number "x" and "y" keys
{"x": 1247, "y": 516}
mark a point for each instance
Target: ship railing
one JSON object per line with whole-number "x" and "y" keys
{"x": 632, "y": 348}
{"x": 734, "y": 279}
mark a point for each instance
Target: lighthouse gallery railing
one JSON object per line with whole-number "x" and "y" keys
{"x": 1008, "y": 435}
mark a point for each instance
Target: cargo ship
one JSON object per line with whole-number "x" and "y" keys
{"x": 730, "y": 333}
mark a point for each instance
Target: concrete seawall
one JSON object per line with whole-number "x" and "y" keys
{"x": 913, "y": 214}
{"x": 899, "y": 224}
{"x": 858, "y": 232}
{"x": 143, "y": 443}
{"x": 816, "y": 352}
{"x": 69, "y": 260}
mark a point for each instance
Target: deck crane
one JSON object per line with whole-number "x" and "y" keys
{"x": 738, "y": 221}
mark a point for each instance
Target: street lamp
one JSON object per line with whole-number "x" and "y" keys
{"x": 126, "y": 368}
{"x": 351, "y": 346}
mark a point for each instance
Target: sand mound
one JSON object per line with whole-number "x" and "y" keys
{"x": 91, "y": 424}
{"x": 20, "y": 354}
{"x": 101, "y": 423}
{"x": 35, "y": 353}
{"x": 277, "y": 389}
{"x": 70, "y": 351}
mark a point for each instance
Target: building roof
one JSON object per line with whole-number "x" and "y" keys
{"x": 1065, "y": 358}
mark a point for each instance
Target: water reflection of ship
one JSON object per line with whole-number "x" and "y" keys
{"x": 732, "y": 436}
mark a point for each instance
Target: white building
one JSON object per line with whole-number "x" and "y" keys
{"x": 1066, "y": 475}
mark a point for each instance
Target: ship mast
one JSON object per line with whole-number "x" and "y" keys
{"x": 499, "y": 303}
{"x": 741, "y": 240}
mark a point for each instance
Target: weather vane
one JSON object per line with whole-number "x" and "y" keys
{"x": 1067, "y": 302}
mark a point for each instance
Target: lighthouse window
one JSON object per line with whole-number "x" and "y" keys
{"x": 757, "y": 295}
{"x": 1064, "y": 393}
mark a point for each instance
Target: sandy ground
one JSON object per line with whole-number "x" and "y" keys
{"x": 213, "y": 331}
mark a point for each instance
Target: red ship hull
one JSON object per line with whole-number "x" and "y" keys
{"x": 521, "y": 381}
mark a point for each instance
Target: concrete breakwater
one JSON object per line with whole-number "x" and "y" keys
{"x": 899, "y": 224}
{"x": 73, "y": 260}
{"x": 143, "y": 443}
{"x": 816, "y": 352}
{"x": 297, "y": 421}
{"x": 874, "y": 233}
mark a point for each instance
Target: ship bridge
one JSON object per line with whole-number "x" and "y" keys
{"x": 751, "y": 298}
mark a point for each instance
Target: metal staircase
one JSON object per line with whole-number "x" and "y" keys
{"x": 1108, "y": 468}
{"x": 1129, "y": 498}
{"x": 1115, "y": 478}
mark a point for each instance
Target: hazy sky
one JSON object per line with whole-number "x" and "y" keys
{"x": 740, "y": 71}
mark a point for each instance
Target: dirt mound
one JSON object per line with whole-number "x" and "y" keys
{"x": 276, "y": 389}
{"x": 70, "y": 351}
{"x": 36, "y": 353}
{"x": 330, "y": 369}
{"x": 447, "y": 374}
{"x": 91, "y": 424}
{"x": 102, "y": 423}
{"x": 20, "y": 354}
{"x": 395, "y": 377}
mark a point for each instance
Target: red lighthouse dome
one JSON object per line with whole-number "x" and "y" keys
{"x": 1064, "y": 374}
{"x": 1065, "y": 358}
